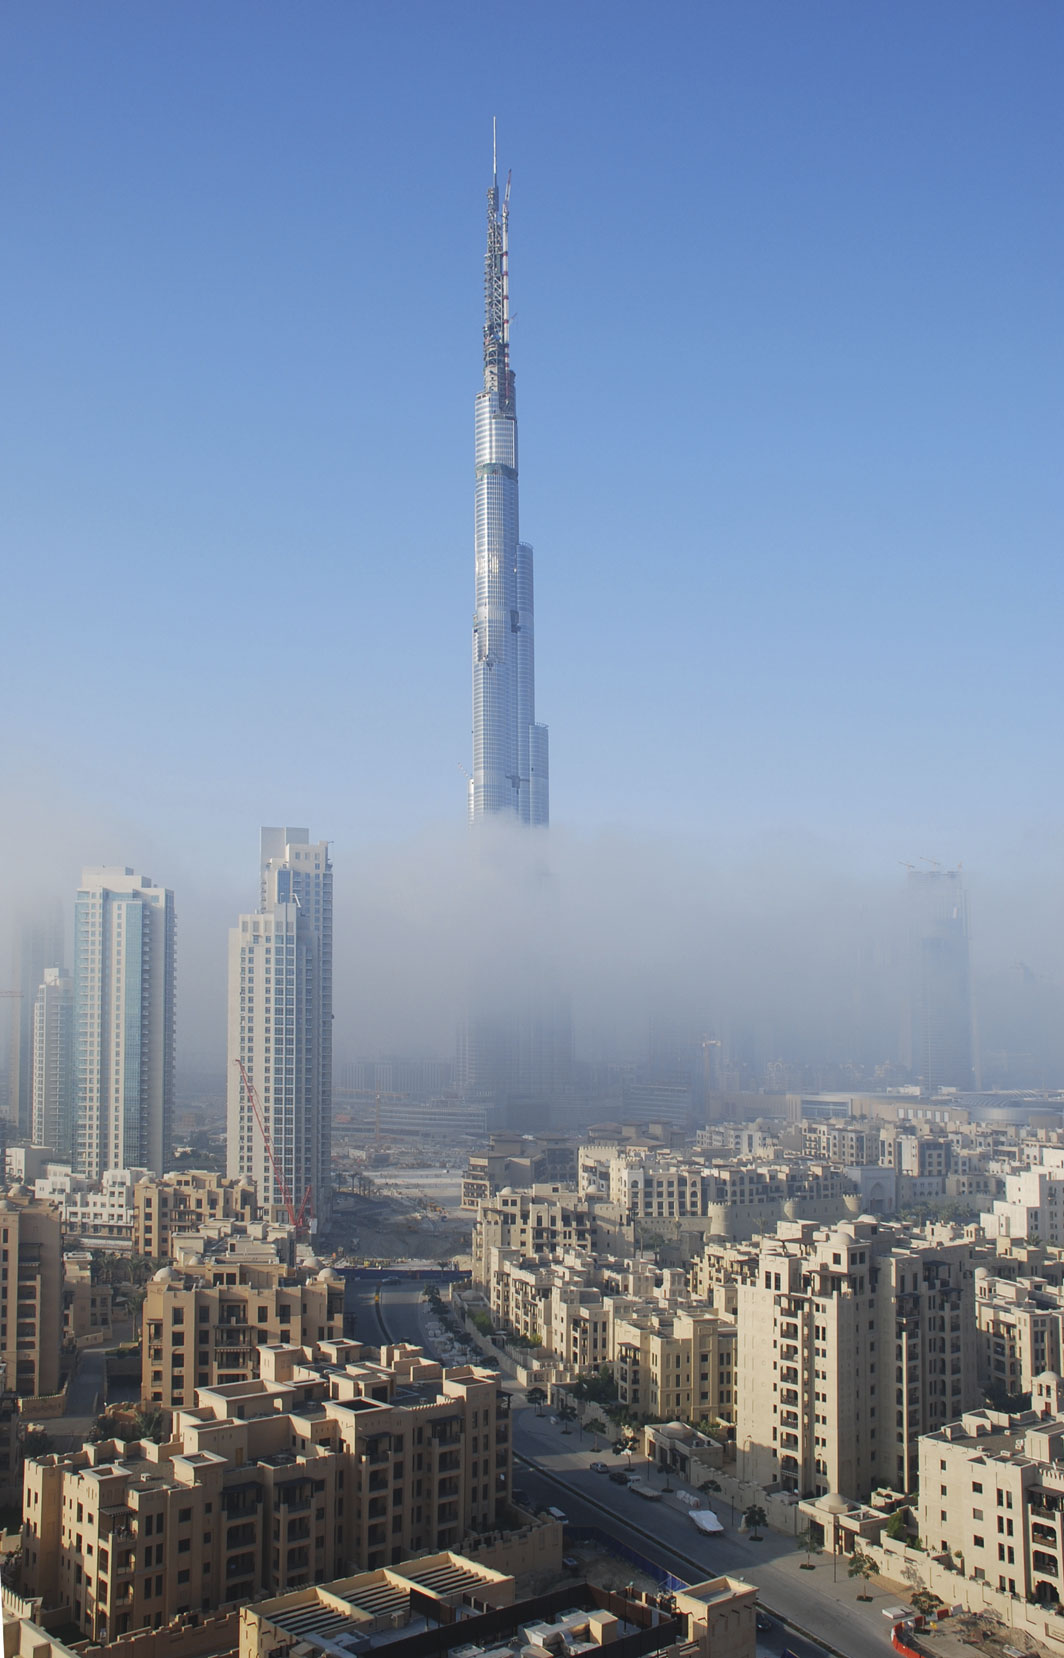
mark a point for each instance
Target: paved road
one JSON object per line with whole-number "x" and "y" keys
{"x": 553, "y": 1467}
{"x": 87, "y": 1390}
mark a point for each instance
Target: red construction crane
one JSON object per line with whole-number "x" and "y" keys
{"x": 298, "y": 1220}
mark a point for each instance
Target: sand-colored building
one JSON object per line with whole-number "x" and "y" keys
{"x": 853, "y": 1341}
{"x": 183, "y": 1201}
{"x": 204, "y": 1327}
{"x": 1019, "y": 1324}
{"x": 31, "y": 1293}
{"x": 992, "y": 1491}
{"x": 327, "y": 1464}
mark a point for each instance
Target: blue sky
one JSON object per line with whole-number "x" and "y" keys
{"x": 786, "y": 285}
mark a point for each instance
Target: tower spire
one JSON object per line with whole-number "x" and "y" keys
{"x": 497, "y": 375}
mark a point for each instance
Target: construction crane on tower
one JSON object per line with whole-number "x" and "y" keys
{"x": 299, "y": 1219}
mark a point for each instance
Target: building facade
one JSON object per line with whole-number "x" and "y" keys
{"x": 124, "y": 938}
{"x": 201, "y": 1329}
{"x": 992, "y": 1492}
{"x": 53, "y": 1062}
{"x": 280, "y": 1030}
{"x": 181, "y": 1202}
{"x": 31, "y": 1294}
{"x": 321, "y": 1467}
{"x": 853, "y": 1341}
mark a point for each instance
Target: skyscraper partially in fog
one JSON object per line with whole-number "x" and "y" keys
{"x": 940, "y": 980}
{"x": 38, "y": 944}
{"x": 510, "y": 760}
{"x": 516, "y": 1042}
{"x": 280, "y": 1026}
{"x": 53, "y": 1062}
{"x": 123, "y": 1022}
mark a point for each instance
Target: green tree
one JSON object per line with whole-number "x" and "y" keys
{"x": 755, "y": 1518}
{"x": 566, "y": 1415}
{"x": 812, "y": 1544}
{"x": 863, "y": 1566}
{"x": 926, "y": 1602}
{"x": 897, "y": 1527}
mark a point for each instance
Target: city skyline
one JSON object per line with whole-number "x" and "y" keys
{"x": 791, "y": 404}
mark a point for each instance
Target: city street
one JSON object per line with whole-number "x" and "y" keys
{"x": 553, "y": 1466}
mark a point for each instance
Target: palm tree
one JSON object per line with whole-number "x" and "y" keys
{"x": 755, "y": 1518}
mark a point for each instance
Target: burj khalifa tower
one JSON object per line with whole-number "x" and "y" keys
{"x": 510, "y": 765}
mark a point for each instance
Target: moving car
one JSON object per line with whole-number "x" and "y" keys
{"x": 599, "y": 1467}
{"x": 619, "y": 1476}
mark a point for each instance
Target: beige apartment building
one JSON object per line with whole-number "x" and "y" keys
{"x": 205, "y": 1327}
{"x": 321, "y": 1467}
{"x": 853, "y": 1341}
{"x": 31, "y": 1293}
{"x": 1033, "y": 1205}
{"x": 87, "y": 1307}
{"x": 992, "y": 1490}
{"x": 182, "y": 1201}
{"x": 1019, "y": 1323}
{"x": 676, "y": 1366}
{"x": 542, "y": 1220}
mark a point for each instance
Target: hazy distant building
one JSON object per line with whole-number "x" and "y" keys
{"x": 53, "y": 1062}
{"x": 38, "y": 943}
{"x": 123, "y": 1022}
{"x": 940, "y": 985}
{"x": 280, "y": 1028}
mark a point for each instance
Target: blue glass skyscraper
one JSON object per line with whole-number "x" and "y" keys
{"x": 510, "y": 762}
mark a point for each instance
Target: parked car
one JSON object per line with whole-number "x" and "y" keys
{"x": 600, "y": 1467}
{"x": 763, "y": 1621}
{"x": 619, "y": 1476}
{"x": 570, "y": 1563}
{"x": 559, "y": 1514}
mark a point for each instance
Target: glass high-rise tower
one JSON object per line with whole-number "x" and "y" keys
{"x": 280, "y": 1028}
{"x": 510, "y": 764}
{"x": 124, "y": 935}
